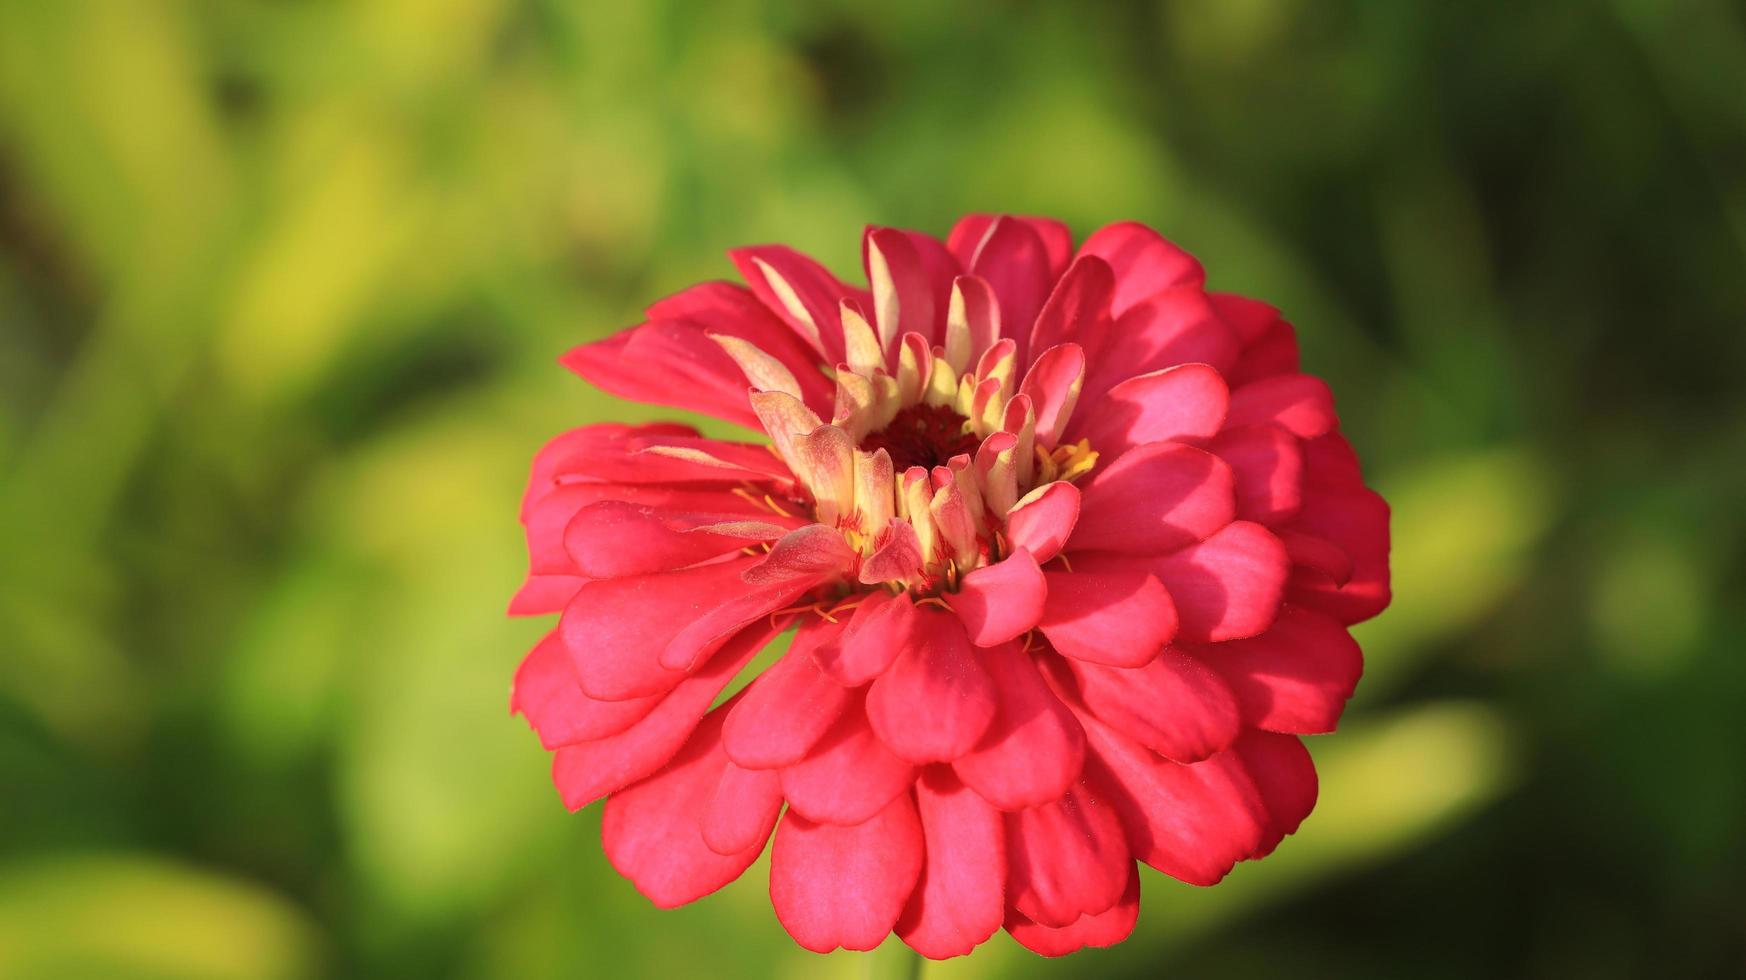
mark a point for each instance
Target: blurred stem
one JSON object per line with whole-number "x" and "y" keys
{"x": 894, "y": 961}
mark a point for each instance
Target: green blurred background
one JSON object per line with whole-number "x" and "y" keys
{"x": 282, "y": 285}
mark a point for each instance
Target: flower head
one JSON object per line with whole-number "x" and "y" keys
{"x": 1070, "y": 546}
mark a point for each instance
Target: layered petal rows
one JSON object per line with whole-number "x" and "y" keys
{"x": 1069, "y": 548}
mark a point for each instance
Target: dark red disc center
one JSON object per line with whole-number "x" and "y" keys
{"x": 923, "y": 435}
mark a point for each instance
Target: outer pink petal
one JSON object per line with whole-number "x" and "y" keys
{"x": 1301, "y": 404}
{"x": 850, "y": 775}
{"x": 870, "y": 640}
{"x": 1053, "y": 384}
{"x": 961, "y": 897}
{"x": 1192, "y": 822}
{"x": 1281, "y": 769}
{"x": 1143, "y": 260}
{"x": 845, "y": 886}
{"x": 743, "y": 809}
{"x": 1014, "y": 261}
{"x": 788, "y": 708}
{"x": 1002, "y": 601}
{"x": 1227, "y": 586}
{"x": 1358, "y": 523}
{"x": 1269, "y": 471}
{"x": 1274, "y": 354}
{"x": 1176, "y": 706}
{"x": 667, "y": 362}
{"x": 922, "y": 272}
{"x": 1042, "y": 525}
{"x": 1296, "y": 677}
{"x": 1103, "y": 929}
{"x": 1034, "y": 749}
{"x": 818, "y": 292}
{"x": 586, "y": 771}
{"x": 935, "y": 700}
{"x": 1056, "y": 237}
{"x": 547, "y": 695}
{"x": 1077, "y": 311}
{"x": 1178, "y": 403}
{"x": 614, "y": 538}
{"x": 1066, "y": 859}
{"x": 1154, "y": 499}
{"x": 616, "y": 629}
{"x": 652, "y": 832}
{"x": 1176, "y": 326}
{"x": 1121, "y": 617}
{"x": 733, "y": 310}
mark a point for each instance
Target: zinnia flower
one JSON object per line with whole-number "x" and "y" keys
{"x": 1070, "y": 546}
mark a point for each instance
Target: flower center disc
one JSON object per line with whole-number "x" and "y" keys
{"x": 923, "y": 435}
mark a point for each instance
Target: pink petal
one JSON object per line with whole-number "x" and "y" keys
{"x": 960, "y": 900}
{"x": 1296, "y": 677}
{"x": 1121, "y": 617}
{"x": 934, "y": 702}
{"x": 1042, "y": 522}
{"x": 845, "y": 885}
{"x": 542, "y": 595}
{"x": 1178, "y": 403}
{"x": 616, "y": 629}
{"x": 1053, "y": 384}
{"x": 1274, "y": 354}
{"x": 1002, "y": 601}
{"x": 869, "y": 641}
{"x": 731, "y": 309}
{"x": 921, "y": 272}
{"x": 812, "y": 310}
{"x": 652, "y": 832}
{"x": 586, "y": 771}
{"x": 1301, "y": 404}
{"x": 1144, "y": 262}
{"x": 1249, "y": 319}
{"x": 1356, "y": 522}
{"x": 743, "y": 809}
{"x": 850, "y": 775}
{"x": 1014, "y": 261}
{"x": 1269, "y": 471}
{"x": 788, "y": 708}
{"x": 1227, "y": 586}
{"x": 1176, "y": 706}
{"x": 1317, "y": 554}
{"x": 1034, "y": 749}
{"x": 1078, "y": 310}
{"x": 1192, "y": 822}
{"x": 810, "y": 553}
{"x": 672, "y": 363}
{"x": 614, "y": 538}
{"x": 547, "y": 695}
{"x": 1056, "y": 237}
{"x": 1066, "y": 859}
{"x": 1154, "y": 499}
{"x": 1176, "y": 326}
{"x": 1100, "y": 930}
{"x": 1281, "y": 769}
{"x": 897, "y": 558}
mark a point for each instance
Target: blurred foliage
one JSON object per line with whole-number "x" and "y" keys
{"x": 281, "y": 287}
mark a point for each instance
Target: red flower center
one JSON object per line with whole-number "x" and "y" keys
{"x": 923, "y": 435}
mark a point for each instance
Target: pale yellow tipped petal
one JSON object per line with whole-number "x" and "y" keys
{"x": 786, "y": 419}
{"x": 790, "y": 301}
{"x": 964, "y": 399}
{"x": 855, "y": 404}
{"x": 942, "y": 384}
{"x": 954, "y": 524}
{"x": 958, "y": 353}
{"x": 885, "y": 304}
{"x": 861, "y": 346}
{"x": 918, "y": 497}
{"x": 763, "y": 371}
{"x": 875, "y": 491}
{"x": 827, "y": 464}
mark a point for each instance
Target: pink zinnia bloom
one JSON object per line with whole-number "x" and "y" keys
{"x": 1071, "y": 545}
